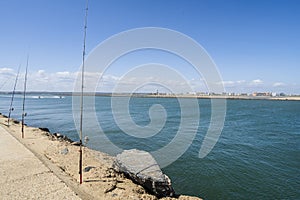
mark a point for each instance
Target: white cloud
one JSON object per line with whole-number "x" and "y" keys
{"x": 197, "y": 85}
{"x": 228, "y": 83}
{"x": 42, "y": 80}
{"x": 232, "y": 83}
{"x": 41, "y": 73}
{"x": 256, "y": 82}
{"x": 278, "y": 84}
{"x": 63, "y": 74}
{"x": 4, "y": 70}
{"x": 7, "y": 72}
{"x": 241, "y": 81}
{"x": 7, "y": 78}
{"x": 110, "y": 78}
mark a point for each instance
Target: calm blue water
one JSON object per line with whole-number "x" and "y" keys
{"x": 256, "y": 157}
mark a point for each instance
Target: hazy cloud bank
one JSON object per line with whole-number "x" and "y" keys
{"x": 42, "y": 80}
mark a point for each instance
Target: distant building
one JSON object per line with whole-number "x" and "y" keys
{"x": 261, "y": 94}
{"x": 191, "y": 93}
{"x": 274, "y": 94}
{"x": 202, "y": 93}
{"x": 282, "y": 94}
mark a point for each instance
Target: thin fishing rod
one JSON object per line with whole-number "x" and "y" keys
{"x": 13, "y": 96}
{"x": 81, "y": 99}
{"x": 24, "y": 97}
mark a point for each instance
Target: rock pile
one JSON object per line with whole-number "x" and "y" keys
{"x": 142, "y": 168}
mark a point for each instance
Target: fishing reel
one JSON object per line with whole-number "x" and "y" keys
{"x": 86, "y": 140}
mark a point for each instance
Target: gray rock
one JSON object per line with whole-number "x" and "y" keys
{"x": 142, "y": 168}
{"x": 64, "y": 151}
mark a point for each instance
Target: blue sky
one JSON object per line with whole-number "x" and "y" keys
{"x": 255, "y": 44}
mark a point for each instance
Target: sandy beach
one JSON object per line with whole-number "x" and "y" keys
{"x": 45, "y": 166}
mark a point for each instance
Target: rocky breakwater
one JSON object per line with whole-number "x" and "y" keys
{"x": 142, "y": 168}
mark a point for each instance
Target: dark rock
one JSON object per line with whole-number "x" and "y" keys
{"x": 67, "y": 139}
{"x": 58, "y": 135}
{"x": 44, "y": 129}
{"x": 61, "y": 137}
{"x": 16, "y": 121}
{"x": 77, "y": 143}
{"x": 87, "y": 169}
{"x": 142, "y": 168}
{"x": 48, "y": 134}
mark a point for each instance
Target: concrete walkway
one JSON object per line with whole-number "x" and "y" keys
{"x": 24, "y": 176}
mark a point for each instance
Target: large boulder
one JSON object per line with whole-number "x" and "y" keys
{"x": 142, "y": 168}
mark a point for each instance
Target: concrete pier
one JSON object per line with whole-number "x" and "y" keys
{"x": 24, "y": 176}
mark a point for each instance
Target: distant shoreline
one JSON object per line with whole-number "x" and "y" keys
{"x": 145, "y": 95}
{"x": 284, "y": 98}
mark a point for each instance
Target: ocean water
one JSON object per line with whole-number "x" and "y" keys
{"x": 256, "y": 157}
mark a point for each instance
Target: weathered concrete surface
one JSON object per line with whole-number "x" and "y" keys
{"x": 24, "y": 176}
{"x": 142, "y": 168}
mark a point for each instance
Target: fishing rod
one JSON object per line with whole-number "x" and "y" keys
{"x": 13, "y": 96}
{"x": 81, "y": 99}
{"x": 24, "y": 97}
